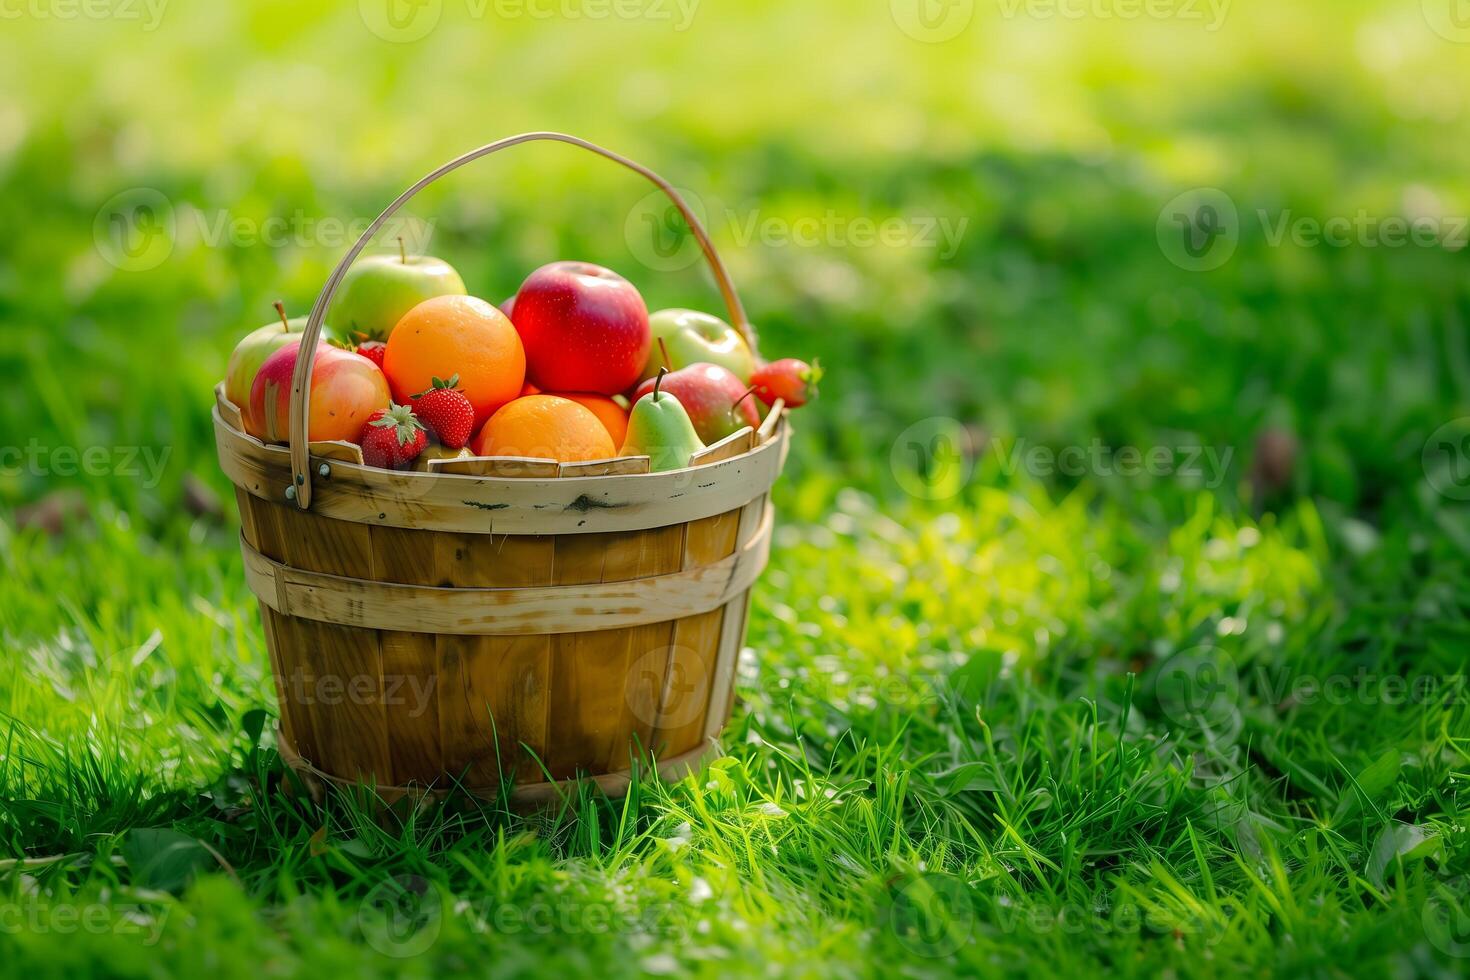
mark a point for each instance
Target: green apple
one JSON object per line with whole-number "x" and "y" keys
{"x": 659, "y": 428}
{"x": 378, "y": 290}
{"x": 691, "y": 337}
{"x": 250, "y": 354}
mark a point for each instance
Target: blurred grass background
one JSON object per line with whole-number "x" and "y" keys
{"x": 1056, "y": 140}
{"x": 1054, "y": 143}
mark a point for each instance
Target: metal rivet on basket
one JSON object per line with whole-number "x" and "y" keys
{"x": 290, "y": 493}
{"x": 300, "y": 478}
{"x": 325, "y": 471}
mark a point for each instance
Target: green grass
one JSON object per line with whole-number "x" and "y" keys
{"x": 994, "y": 719}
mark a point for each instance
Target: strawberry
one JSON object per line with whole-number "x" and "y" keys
{"x": 447, "y": 412}
{"x": 373, "y": 350}
{"x": 392, "y": 438}
{"x": 789, "y": 379}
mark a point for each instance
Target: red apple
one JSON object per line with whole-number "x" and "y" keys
{"x": 345, "y": 389}
{"x": 585, "y": 328}
{"x": 712, "y": 395}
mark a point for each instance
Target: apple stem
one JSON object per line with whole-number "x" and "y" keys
{"x": 741, "y": 399}
{"x": 659, "y": 380}
{"x": 281, "y": 310}
{"x": 402, "y": 251}
{"x": 663, "y": 349}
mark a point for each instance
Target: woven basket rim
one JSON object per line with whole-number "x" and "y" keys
{"x": 534, "y": 504}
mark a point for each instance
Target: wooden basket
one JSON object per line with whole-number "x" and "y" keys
{"x": 499, "y": 622}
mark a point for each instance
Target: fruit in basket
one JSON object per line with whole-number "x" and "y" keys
{"x": 251, "y": 353}
{"x": 373, "y": 350}
{"x": 432, "y": 452}
{"x": 446, "y": 412}
{"x": 713, "y": 397}
{"x": 378, "y": 290}
{"x": 393, "y": 438}
{"x": 459, "y": 335}
{"x": 545, "y": 427}
{"x": 346, "y": 388}
{"x": 585, "y": 328}
{"x": 789, "y": 379}
{"x": 660, "y": 428}
{"x": 690, "y": 337}
{"x": 614, "y": 417}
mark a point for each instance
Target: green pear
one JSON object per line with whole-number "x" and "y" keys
{"x": 659, "y": 428}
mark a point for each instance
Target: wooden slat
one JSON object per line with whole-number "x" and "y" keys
{"x": 511, "y": 467}
{"x": 494, "y": 690}
{"x": 689, "y": 673}
{"x": 335, "y": 449}
{"x": 641, "y": 673}
{"x": 346, "y": 702}
{"x": 753, "y": 516}
{"x": 770, "y": 422}
{"x": 330, "y": 547}
{"x": 635, "y": 599}
{"x": 294, "y": 672}
{"x": 735, "y": 444}
{"x": 410, "y": 662}
{"x": 622, "y": 466}
{"x": 590, "y": 668}
{"x": 228, "y": 410}
{"x": 505, "y": 505}
{"x": 344, "y": 697}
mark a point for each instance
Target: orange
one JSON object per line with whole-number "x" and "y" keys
{"x": 612, "y": 415}
{"x": 462, "y": 335}
{"x": 545, "y": 427}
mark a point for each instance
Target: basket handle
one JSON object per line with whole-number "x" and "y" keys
{"x": 301, "y": 379}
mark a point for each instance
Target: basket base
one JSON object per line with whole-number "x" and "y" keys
{"x": 526, "y": 796}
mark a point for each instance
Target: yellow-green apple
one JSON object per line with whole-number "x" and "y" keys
{"x": 379, "y": 289}
{"x": 585, "y": 328}
{"x": 690, "y": 337}
{"x": 250, "y": 354}
{"x": 713, "y": 397}
{"x": 346, "y": 388}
